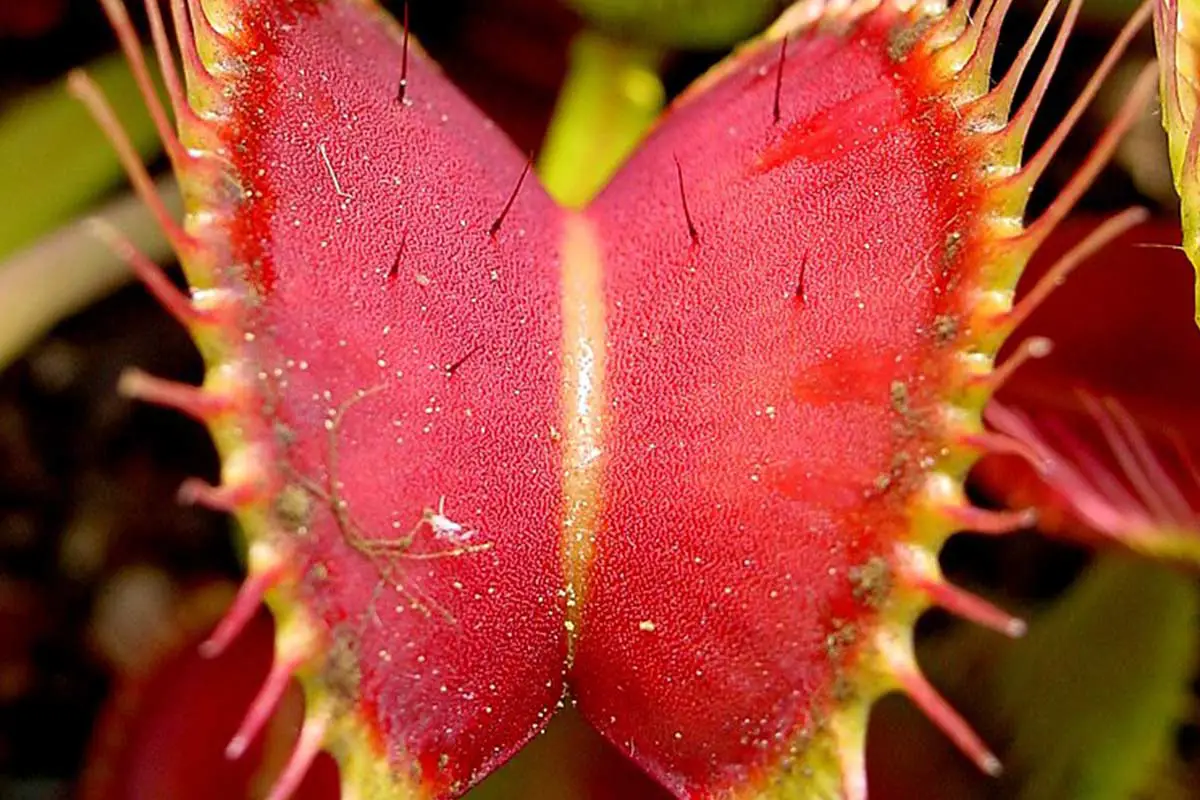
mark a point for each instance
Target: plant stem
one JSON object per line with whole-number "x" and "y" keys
{"x": 611, "y": 96}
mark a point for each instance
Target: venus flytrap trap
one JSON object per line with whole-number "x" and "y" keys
{"x": 708, "y": 434}
{"x": 1175, "y": 31}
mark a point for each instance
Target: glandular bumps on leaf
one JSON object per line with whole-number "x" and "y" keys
{"x": 689, "y": 452}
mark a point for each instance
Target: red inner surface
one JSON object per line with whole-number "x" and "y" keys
{"x": 342, "y": 313}
{"x": 771, "y": 392}
{"x": 770, "y": 400}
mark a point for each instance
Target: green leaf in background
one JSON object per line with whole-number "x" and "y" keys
{"x": 1087, "y": 705}
{"x": 1098, "y": 687}
{"x": 54, "y": 161}
{"x": 699, "y": 24}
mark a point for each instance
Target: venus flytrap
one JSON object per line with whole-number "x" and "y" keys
{"x": 710, "y": 430}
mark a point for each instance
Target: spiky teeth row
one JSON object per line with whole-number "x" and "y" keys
{"x": 484, "y": 451}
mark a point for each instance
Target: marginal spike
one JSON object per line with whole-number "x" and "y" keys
{"x": 201, "y": 404}
{"x": 1002, "y": 444}
{"x": 903, "y": 667}
{"x": 512, "y": 198}
{"x": 997, "y": 104}
{"x": 980, "y": 66}
{"x": 1109, "y": 487}
{"x": 247, "y": 602}
{"x": 192, "y": 24}
{"x": 84, "y": 89}
{"x": 968, "y": 43}
{"x": 263, "y": 706}
{"x": 971, "y": 607}
{"x": 1029, "y": 349}
{"x": 312, "y": 735}
{"x": 1013, "y": 135}
{"x": 402, "y": 91}
{"x": 166, "y": 62}
{"x": 1034, "y": 167}
{"x": 918, "y": 567}
{"x": 775, "y": 111}
{"x": 687, "y": 214}
{"x": 228, "y": 498}
{"x": 1115, "y": 514}
{"x": 982, "y": 520}
{"x": 1104, "y": 233}
{"x": 1133, "y": 452}
{"x": 118, "y": 18}
{"x": 177, "y": 304}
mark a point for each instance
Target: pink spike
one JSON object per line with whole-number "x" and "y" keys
{"x": 998, "y": 102}
{"x": 307, "y": 748}
{"x": 196, "y": 402}
{"x": 1004, "y": 444}
{"x": 1134, "y": 454}
{"x": 1181, "y": 508}
{"x": 228, "y": 499}
{"x": 1035, "y": 166}
{"x": 1104, "y": 233}
{"x": 150, "y": 274}
{"x": 945, "y": 717}
{"x": 971, "y": 607}
{"x": 1102, "y": 513}
{"x": 985, "y": 49}
{"x": 87, "y": 92}
{"x": 979, "y": 520}
{"x": 263, "y": 706}
{"x": 953, "y": 20}
{"x": 971, "y": 36}
{"x": 186, "y": 20}
{"x": 1106, "y": 487}
{"x": 1031, "y": 348}
{"x": 1135, "y": 102}
{"x": 1018, "y": 127}
{"x": 166, "y": 62}
{"x": 118, "y": 17}
{"x": 249, "y": 599}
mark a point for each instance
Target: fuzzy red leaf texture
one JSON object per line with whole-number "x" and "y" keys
{"x": 682, "y": 459}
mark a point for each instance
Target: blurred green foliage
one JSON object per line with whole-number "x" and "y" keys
{"x": 703, "y": 24}
{"x": 54, "y": 160}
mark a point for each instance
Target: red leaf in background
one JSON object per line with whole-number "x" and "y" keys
{"x": 1121, "y": 328}
{"x": 162, "y": 733}
{"x": 28, "y": 18}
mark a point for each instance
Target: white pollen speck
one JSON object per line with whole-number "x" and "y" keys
{"x": 646, "y": 625}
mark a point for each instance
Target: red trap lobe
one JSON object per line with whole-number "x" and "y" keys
{"x": 685, "y": 457}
